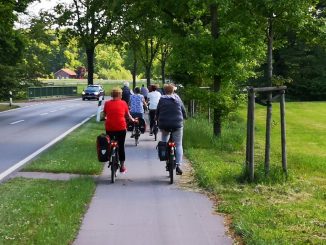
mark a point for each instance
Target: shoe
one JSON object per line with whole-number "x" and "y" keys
{"x": 150, "y": 134}
{"x": 178, "y": 170}
{"x": 123, "y": 170}
{"x": 167, "y": 168}
{"x": 132, "y": 136}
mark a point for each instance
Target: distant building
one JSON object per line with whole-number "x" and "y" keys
{"x": 65, "y": 74}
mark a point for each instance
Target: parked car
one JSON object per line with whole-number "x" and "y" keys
{"x": 93, "y": 92}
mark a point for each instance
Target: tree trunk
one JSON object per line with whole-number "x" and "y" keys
{"x": 270, "y": 38}
{"x": 148, "y": 74}
{"x": 217, "y": 121}
{"x": 90, "y": 64}
{"x": 269, "y": 77}
{"x": 163, "y": 71}
{"x": 134, "y": 73}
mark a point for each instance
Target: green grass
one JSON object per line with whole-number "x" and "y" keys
{"x": 74, "y": 154}
{"x": 7, "y": 107}
{"x": 42, "y": 211}
{"x": 274, "y": 209}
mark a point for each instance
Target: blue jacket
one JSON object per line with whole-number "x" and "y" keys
{"x": 170, "y": 112}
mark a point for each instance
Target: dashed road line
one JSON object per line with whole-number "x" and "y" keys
{"x": 16, "y": 122}
{"x": 43, "y": 114}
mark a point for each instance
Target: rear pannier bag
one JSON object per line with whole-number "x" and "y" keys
{"x": 130, "y": 126}
{"x": 103, "y": 147}
{"x": 162, "y": 150}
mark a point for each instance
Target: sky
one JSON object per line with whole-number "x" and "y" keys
{"x": 36, "y": 6}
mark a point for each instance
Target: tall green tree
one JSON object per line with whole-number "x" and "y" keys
{"x": 11, "y": 44}
{"x": 91, "y": 22}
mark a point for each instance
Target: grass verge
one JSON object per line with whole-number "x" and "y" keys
{"x": 274, "y": 209}
{"x": 4, "y": 107}
{"x": 75, "y": 153}
{"x": 43, "y": 211}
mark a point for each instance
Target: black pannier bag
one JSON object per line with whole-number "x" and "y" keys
{"x": 142, "y": 125}
{"x": 130, "y": 126}
{"x": 162, "y": 150}
{"x": 103, "y": 147}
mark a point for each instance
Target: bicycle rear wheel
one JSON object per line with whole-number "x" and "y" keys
{"x": 171, "y": 168}
{"x": 114, "y": 167}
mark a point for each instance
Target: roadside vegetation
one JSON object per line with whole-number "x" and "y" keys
{"x": 273, "y": 209}
{"x": 5, "y": 107}
{"x": 43, "y": 211}
{"x": 74, "y": 154}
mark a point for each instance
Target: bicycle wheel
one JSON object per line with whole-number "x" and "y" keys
{"x": 136, "y": 139}
{"x": 155, "y": 130}
{"x": 171, "y": 168}
{"x": 114, "y": 167}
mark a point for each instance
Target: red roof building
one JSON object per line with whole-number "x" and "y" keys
{"x": 65, "y": 74}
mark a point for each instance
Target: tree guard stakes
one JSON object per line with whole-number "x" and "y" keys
{"x": 251, "y": 126}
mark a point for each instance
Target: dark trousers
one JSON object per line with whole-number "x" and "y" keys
{"x": 119, "y": 136}
{"x": 152, "y": 118}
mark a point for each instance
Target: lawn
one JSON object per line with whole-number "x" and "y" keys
{"x": 43, "y": 211}
{"x": 274, "y": 209}
{"x": 74, "y": 154}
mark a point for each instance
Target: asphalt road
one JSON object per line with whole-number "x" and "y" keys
{"x": 141, "y": 207}
{"x": 26, "y": 130}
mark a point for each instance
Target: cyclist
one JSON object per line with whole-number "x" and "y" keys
{"x": 116, "y": 111}
{"x": 136, "y": 105}
{"x": 170, "y": 114}
{"x": 126, "y": 92}
{"x": 153, "y": 99}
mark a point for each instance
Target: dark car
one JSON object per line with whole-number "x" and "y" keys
{"x": 93, "y": 92}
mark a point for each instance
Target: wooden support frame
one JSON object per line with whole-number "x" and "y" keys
{"x": 250, "y": 147}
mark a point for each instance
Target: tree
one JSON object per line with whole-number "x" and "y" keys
{"x": 91, "y": 23}
{"x": 11, "y": 44}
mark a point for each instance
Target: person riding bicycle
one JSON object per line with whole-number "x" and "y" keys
{"x": 137, "y": 103}
{"x": 116, "y": 111}
{"x": 153, "y": 99}
{"x": 170, "y": 114}
{"x": 126, "y": 92}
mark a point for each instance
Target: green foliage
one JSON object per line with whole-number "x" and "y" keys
{"x": 225, "y": 101}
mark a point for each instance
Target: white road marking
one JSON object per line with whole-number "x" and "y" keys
{"x": 45, "y": 113}
{"x": 16, "y": 122}
{"x": 53, "y": 111}
{"x": 30, "y": 157}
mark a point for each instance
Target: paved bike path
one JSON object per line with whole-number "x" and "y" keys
{"x": 141, "y": 207}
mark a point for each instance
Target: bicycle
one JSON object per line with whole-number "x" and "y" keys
{"x": 171, "y": 151}
{"x": 136, "y": 131}
{"x": 114, "y": 159}
{"x": 155, "y": 130}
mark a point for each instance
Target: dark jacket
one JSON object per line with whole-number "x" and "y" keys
{"x": 170, "y": 112}
{"x": 126, "y": 94}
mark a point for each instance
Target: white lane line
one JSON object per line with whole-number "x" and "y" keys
{"x": 16, "y": 122}
{"x": 53, "y": 111}
{"x": 30, "y": 157}
{"x": 45, "y": 113}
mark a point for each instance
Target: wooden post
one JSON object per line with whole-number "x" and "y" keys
{"x": 283, "y": 132}
{"x": 248, "y": 132}
{"x": 252, "y": 136}
{"x": 268, "y": 133}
